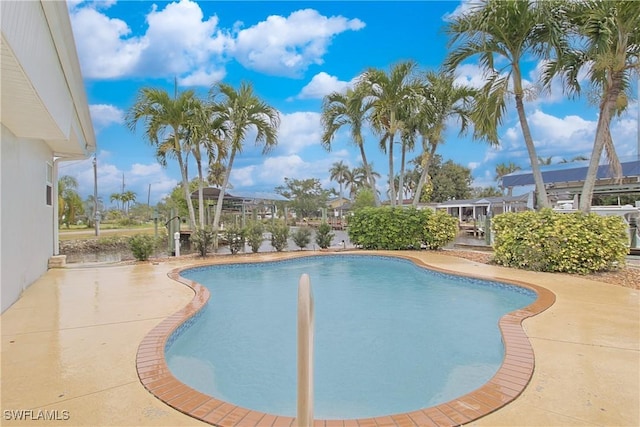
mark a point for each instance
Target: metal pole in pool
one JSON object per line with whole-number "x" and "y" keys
{"x": 305, "y": 352}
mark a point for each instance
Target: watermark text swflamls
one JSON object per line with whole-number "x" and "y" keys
{"x": 36, "y": 415}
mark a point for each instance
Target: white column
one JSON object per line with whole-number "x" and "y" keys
{"x": 305, "y": 353}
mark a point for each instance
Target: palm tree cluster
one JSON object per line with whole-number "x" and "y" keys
{"x": 597, "y": 37}
{"x": 354, "y": 179}
{"x": 212, "y": 130}
{"x": 123, "y": 199}
{"x": 403, "y": 107}
{"x": 410, "y": 108}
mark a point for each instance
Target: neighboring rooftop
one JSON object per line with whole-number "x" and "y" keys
{"x": 571, "y": 176}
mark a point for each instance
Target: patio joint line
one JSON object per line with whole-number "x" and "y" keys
{"x": 86, "y": 394}
{"x": 637, "y": 350}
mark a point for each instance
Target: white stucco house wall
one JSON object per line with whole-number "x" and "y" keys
{"x": 45, "y": 120}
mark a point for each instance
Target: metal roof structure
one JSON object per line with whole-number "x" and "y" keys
{"x": 571, "y": 176}
{"x": 212, "y": 193}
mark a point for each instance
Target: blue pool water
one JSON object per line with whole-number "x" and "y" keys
{"x": 390, "y": 337}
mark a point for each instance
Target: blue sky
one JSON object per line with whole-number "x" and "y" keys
{"x": 294, "y": 53}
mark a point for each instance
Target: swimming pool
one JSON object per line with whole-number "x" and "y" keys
{"x": 390, "y": 336}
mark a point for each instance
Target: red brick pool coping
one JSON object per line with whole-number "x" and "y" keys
{"x": 506, "y": 385}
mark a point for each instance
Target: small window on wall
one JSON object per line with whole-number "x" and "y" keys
{"x": 49, "y": 185}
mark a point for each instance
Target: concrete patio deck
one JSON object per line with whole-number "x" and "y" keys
{"x": 69, "y": 348}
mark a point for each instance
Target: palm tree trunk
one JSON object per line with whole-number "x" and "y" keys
{"x": 423, "y": 175}
{"x": 392, "y": 188}
{"x": 401, "y": 180}
{"x": 543, "y": 200}
{"x": 216, "y": 219}
{"x": 602, "y": 133}
{"x": 370, "y": 181}
{"x": 185, "y": 179}
{"x": 200, "y": 192}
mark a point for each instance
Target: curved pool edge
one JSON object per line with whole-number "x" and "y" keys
{"x": 505, "y": 386}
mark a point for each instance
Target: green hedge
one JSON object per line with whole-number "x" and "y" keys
{"x": 560, "y": 242}
{"x": 401, "y": 228}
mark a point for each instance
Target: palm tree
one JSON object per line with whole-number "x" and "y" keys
{"x": 205, "y": 132}
{"x": 574, "y": 159}
{"x": 117, "y": 197}
{"x": 358, "y": 179}
{"x": 443, "y": 100}
{"x": 166, "y": 122}
{"x": 392, "y": 96}
{"x": 217, "y": 171}
{"x": 511, "y": 31}
{"x": 545, "y": 161}
{"x": 349, "y": 108}
{"x": 503, "y": 169}
{"x": 609, "y": 33}
{"x": 338, "y": 173}
{"x": 69, "y": 201}
{"x": 238, "y": 112}
{"x": 126, "y": 198}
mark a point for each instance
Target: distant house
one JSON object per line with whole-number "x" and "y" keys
{"x": 338, "y": 204}
{"x": 470, "y": 209}
{"x": 45, "y": 120}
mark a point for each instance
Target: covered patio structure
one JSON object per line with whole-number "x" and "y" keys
{"x": 259, "y": 205}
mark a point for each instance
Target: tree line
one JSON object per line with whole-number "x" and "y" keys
{"x": 409, "y": 109}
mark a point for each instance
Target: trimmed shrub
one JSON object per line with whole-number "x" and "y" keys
{"x": 560, "y": 242}
{"x": 387, "y": 228}
{"x": 234, "y": 235}
{"x": 302, "y": 237}
{"x": 324, "y": 235}
{"x": 201, "y": 240}
{"x": 401, "y": 228}
{"x": 142, "y": 246}
{"x": 254, "y": 235}
{"x": 279, "y": 235}
{"x": 439, "y": 230}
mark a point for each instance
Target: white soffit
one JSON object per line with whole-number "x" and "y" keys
{"x": 23, "y": 112}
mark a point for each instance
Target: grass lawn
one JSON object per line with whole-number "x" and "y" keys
{"x": 111, "y": 230}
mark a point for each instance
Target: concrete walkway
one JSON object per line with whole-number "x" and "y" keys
{"x": 69, "y": 348}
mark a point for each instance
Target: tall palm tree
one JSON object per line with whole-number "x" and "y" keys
{"x": 609, "y": 49}
{"x": 358, "y": 178}
{"x": 393, "y": 96}
{"x": 349, "y": 108}
{"x": 443, "y": 100}
{"x": 240, "y": 111}
{"x": 503, "y": 169}
{"x": 166, "y": 122}
{"x": 338, "y": 174}
{"x": 208, "y": 134}
{"x": 127, "y": 198}
{"x": 510, "y": 30}
{"x": 116, "y": 197}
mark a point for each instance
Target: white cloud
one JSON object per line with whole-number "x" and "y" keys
{"x": 570, "y": 133}
{"x": 465, "y": 6}
{"x": 299, "y": 130}
{"x": 145, "y": 180}
{"x": 473, "y": 165}
{"x": 323, "y": 84}
{"x": 203, "y": 78}
{"x": 288, "y": 46}
{"x": 103, "y": 115}
{"x": 104, "y": 49}
{"x": 242, "y": 177}
{"x": 470, "y": 75}
{"x": 178, "y": 41}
